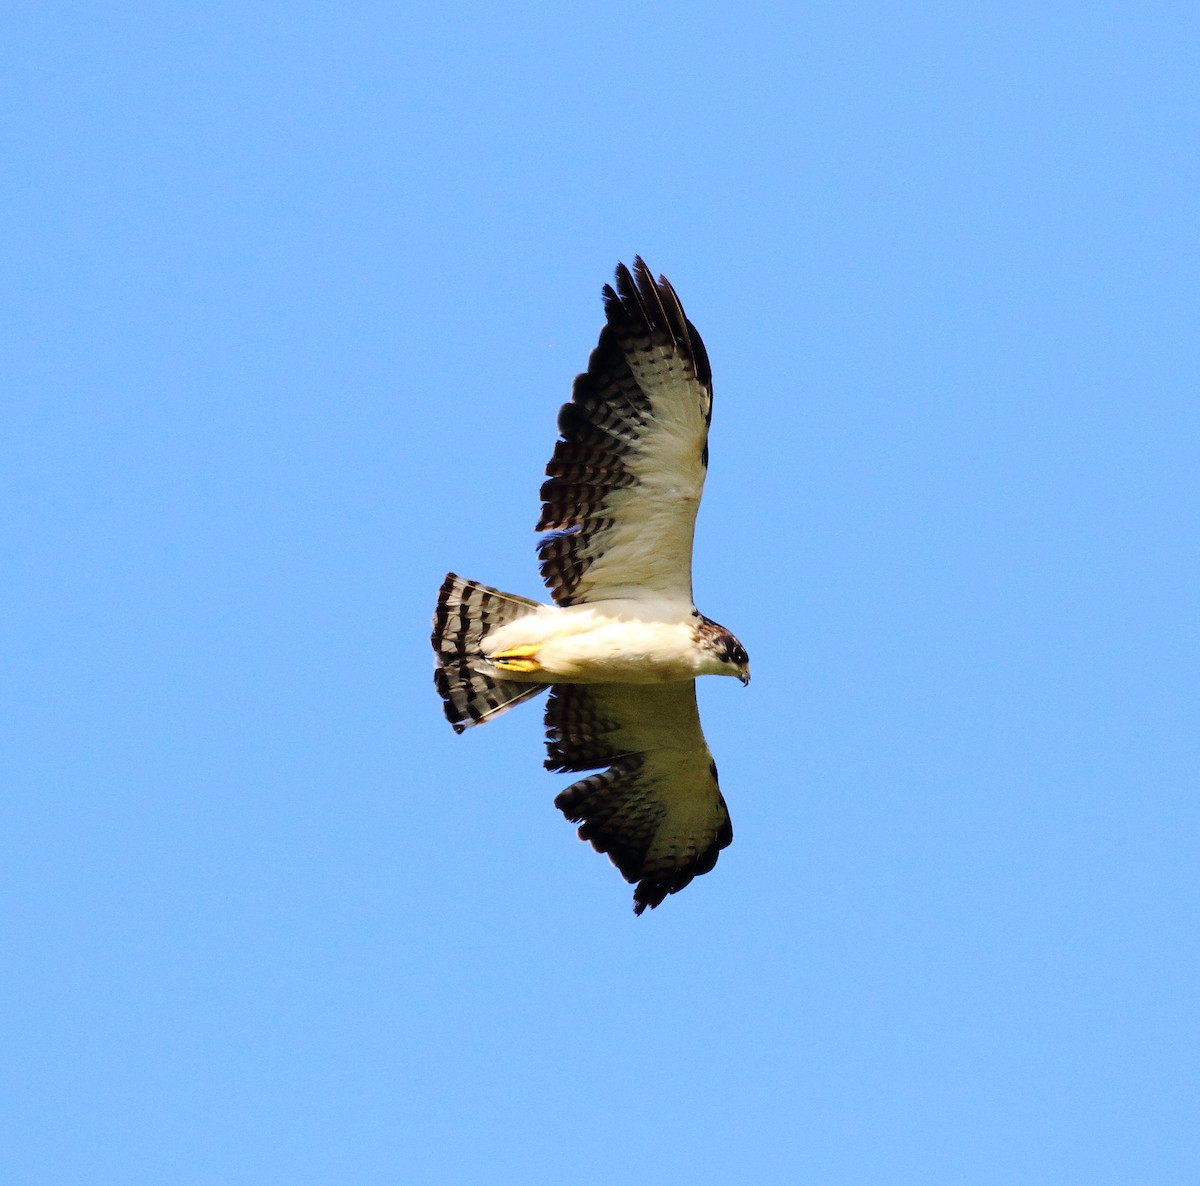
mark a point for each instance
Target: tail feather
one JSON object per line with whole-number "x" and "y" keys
{"x": 466, "y": 612}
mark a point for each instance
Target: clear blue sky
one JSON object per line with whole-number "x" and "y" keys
{"x": 292, "y": 295}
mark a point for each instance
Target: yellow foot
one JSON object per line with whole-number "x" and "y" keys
{"x": 520, "y": 659}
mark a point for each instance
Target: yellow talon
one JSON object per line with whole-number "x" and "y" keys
{"x": 520, "y": 659}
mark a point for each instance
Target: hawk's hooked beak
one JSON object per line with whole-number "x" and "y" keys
{"x": 744, "y": 676}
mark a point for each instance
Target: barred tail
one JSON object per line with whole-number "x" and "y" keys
{"x": 466, "y": 611}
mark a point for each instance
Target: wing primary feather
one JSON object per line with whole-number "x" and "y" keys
{"x": 651, "y": 302}
{"x": 640, "y": 413}
{"x": 655, "y": 807}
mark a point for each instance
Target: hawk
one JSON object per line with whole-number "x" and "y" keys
{"x": 622, "y": 644}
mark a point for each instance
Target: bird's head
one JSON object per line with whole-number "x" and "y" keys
{"x": 739, "y": 661}
{"x": 729, "y": 652}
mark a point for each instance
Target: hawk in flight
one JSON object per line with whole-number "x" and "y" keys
{"x": 623, "y": 643}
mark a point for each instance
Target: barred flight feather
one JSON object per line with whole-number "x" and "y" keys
{"x": 657, "y": 810}
{"x": 633, "y": 453}
{"x": 466, "y": 612}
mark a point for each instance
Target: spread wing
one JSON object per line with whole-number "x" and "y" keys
{"x": 624, "y": 483}
{"x": 655, "y": 807}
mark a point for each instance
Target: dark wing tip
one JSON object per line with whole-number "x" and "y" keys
{"x": 638, "y": 301}
{"x": 652, "y": 306}
{"x": 653, "y": 891}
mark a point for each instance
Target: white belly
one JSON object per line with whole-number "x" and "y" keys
{"x": 601, "y": 643}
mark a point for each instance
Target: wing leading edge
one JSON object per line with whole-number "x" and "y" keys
{"x": 655, "y": 807}
{"x": 624, "y": 483}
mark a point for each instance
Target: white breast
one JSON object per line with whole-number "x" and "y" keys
{"x": 609, "y": 642}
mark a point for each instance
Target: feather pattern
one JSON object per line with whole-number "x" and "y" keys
{"x": 623, "y": 643}
{"x": 655, "y": 807}
{"x": 624, "y": 483}
{"x": 471, "y": 690}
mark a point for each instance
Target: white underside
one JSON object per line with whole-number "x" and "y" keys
{"x": 630, "y": 642}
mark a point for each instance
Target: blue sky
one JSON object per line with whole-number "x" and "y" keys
{"x": 293, "y": 293}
